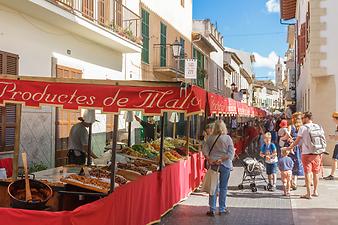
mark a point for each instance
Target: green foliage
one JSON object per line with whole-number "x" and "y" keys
{"x": 36, "y": 167}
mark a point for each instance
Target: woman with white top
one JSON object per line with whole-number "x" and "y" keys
{"x": 219, "y": 151}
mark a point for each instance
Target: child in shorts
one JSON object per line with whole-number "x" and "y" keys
{"x": 269, "y": 153}
{"x": 285, "y": 165}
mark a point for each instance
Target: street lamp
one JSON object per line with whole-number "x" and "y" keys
{"x": 176, "y": 53}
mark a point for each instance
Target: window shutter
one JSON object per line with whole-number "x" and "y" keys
{"x": 88, "y": 8}
{"x": 103, "y": 12}
{"x": 8, "y": 65}
{"x": 302, "y": 44}
{"x": 307, "y": 36}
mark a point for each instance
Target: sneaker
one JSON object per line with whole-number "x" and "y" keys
{"x": 224, "y": 213}
{"x": 330, "y": 177}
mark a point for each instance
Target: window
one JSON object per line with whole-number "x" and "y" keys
{"x": 182, "y": 55}
{"x": 163, "y": 53}
{"x": 145, "y": 36}
{"x": 182, "y": 3}
{"x": 8, "y": 65}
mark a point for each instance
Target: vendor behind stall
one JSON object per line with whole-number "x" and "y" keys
{"x": 149, "y": 128}
{"x": 78, "y": 141}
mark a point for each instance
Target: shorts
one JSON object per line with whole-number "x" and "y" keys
{"x": 312, "y": 163}
{"x": 335, "y": 152}
{"x": 271, "y": 168}
{"x": 286, "y": 176}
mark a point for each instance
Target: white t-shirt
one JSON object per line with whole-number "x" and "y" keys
{"x": 306, "y": 140}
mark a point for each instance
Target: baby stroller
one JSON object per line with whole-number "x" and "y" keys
{"x": 252, "y": 170}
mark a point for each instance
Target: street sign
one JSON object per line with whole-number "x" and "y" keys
{"x": 190, "y": 69}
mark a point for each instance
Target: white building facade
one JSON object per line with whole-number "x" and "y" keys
{"x": 316, "y": 76}
{"x": 67, "y": 39}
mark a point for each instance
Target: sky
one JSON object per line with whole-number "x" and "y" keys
{"x": 248, "y": 25}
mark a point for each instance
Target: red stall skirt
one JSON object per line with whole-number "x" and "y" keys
{"x": 141, "y": 202}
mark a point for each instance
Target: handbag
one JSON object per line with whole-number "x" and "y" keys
{"x": 210, "y": 181}
{"x": 206, "y": 164}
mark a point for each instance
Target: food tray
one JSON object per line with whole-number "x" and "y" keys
{"x": 86, "y": 186}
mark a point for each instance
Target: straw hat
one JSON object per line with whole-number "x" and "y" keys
{"x": 335, "y": 115}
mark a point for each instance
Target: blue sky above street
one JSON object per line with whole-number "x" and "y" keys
{"x": 248, "y": 25}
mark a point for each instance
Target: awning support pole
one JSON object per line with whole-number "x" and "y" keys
{"x": 188, "y": 134}
{"x": 129, "y": 134}
{"x": 161, "y": 143}
{"x": 113, "y": 156}
{"x": 89, "y": 150}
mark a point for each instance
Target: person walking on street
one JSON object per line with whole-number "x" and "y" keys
{"x": 296, "y": 154}
{"x": 313, "y": 146}
{"x": 269, "y": 152}
{"x": 285, "y": 165}
{"x": 335, "y": 152}
{"x": 219, "y": 151}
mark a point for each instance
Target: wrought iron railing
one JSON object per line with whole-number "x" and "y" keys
{"x": 164, "y": 58}
{"x": 110, "y": 14}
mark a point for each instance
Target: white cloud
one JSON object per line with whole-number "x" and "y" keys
{"x": 266, "y": 62}
{"x": 272, "y": 6}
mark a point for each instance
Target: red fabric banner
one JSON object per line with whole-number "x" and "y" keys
{"x": 109, "y": 98}
{"x": 137, "y": 203}
{"x": 216, "y": 104}
{"x": 231, "y": 106}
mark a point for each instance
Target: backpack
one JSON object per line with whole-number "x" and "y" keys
{"x": 318, "y": 141}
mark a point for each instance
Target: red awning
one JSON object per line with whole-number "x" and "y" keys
{"x": 152, "y": 100}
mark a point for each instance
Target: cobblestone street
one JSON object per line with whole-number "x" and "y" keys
{"x": 261, "y": 208}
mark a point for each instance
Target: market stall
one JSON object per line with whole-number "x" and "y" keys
{"x": 237, "y": 115}
{"x": 137, "y": 179}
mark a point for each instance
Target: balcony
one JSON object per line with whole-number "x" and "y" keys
{"x": 165, "y": 63}
{"x": 107, "y": 22}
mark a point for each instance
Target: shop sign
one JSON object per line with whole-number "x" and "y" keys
{"x": 110, "y": 99}
{"x": 190, "y": 69}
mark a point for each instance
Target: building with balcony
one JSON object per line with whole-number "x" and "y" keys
{"x": 239, "y": 65}
{"x": 162, "y": 25}
{"x": 78, "y": 39}
{"x": 208, "y": 50}
{"x": 316, "y": 37}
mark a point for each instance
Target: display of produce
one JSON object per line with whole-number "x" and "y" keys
{"x": 131, "y": 152}
{"x": 128, "y": 166}
{"x": 144, "y": 151}
{"x": 176, "y": 154}
{"x": 148, "y": 165}
{"x": 183, "y": 151}
{"x": 104, "y": 174}
{"x": 171, "y": 157}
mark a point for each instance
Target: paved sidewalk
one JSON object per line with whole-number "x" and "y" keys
{"x": 261, "y": 208}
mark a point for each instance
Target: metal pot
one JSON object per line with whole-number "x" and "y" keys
{"x": 41, "y": 193}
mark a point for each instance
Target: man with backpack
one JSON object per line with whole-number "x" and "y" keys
{"x": 313, "y": 145}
